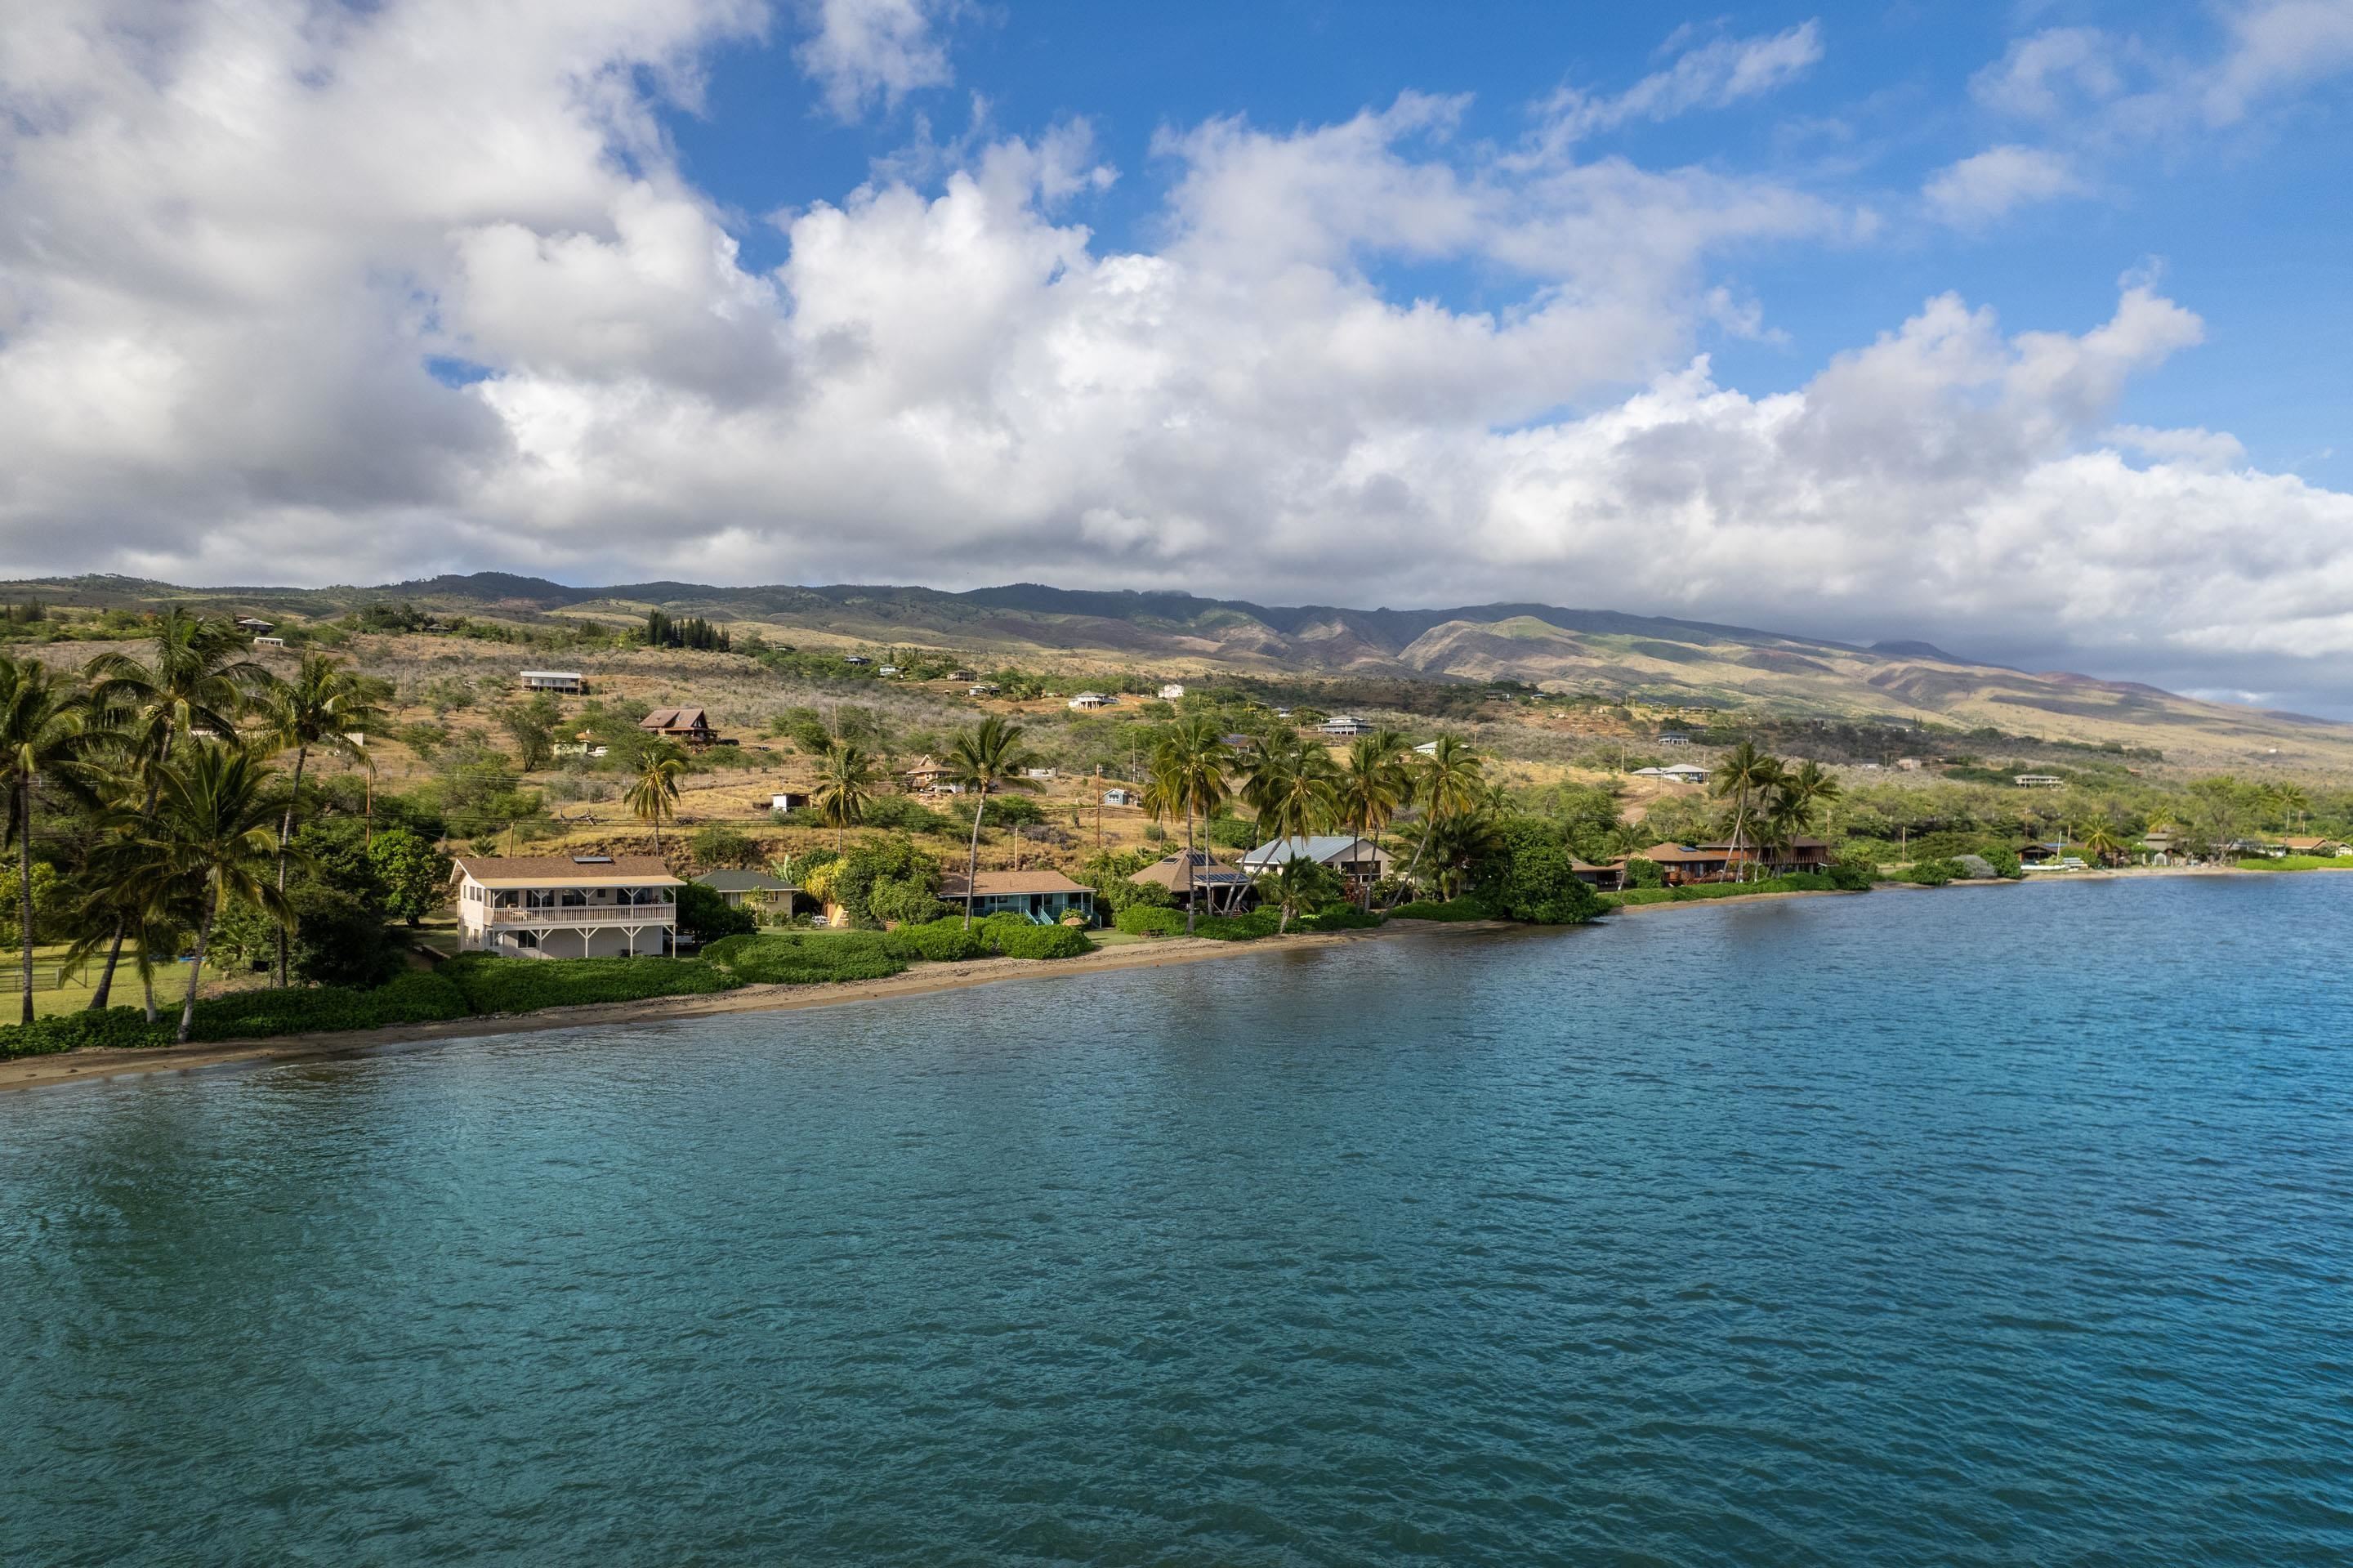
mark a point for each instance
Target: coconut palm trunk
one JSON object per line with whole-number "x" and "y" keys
{"x": 1192, "y": 891}
{"x": 971, "y": 857}
{"x": 25, "y": 888}
{"x": 285, "y": 837}
{"x": 196, "y": 969}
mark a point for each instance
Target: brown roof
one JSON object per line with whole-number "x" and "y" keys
{"x": 1661, "y": 854}
{"x": 2290, "y": 844}
{"x": 1170, "y": 873}
{"x": 538, "y": 870}
{"x": 674, "y": 718}
{"x": 992, "y": 883}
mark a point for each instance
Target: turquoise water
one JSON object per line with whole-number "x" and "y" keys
{"x": 1994, "y": 1225}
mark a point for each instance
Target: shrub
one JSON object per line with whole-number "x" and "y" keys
{"x": 340, "y": 938}
{"x": 1641, "y": 872}
{"x": 1857, "y": 875}
{"x": 939, "y": 941}
{"x": 116, "y": 1027}
{"x": 718, "y": 846}
{"x": 1246, "y": 927}
{"x": 416, "y": 997}
{"x": 797, "y": 958}
{"x": 706, "y": 916}
{"x": 1634, "y": 896}
{"x": 1339, "y": 917}
{"x": 522, "y": 985}
{"x": 1028, "y": 941}
{"x": 1932, "y": 872}
{"x": 1453, "y": 909}
{"x": 1148, "y": 921}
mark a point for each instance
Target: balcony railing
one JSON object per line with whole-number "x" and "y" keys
{"x": 589, "y": 915}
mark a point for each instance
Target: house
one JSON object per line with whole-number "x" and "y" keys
{"x": 754, "y": 890}
{"x": 691, "y": 726}
{"x": 1688, "y": 862}
{"x": 1609, "y": 878}
{"x": 1674, "y": 740}
{"x": 1283, "y": 713}
{"x": 253, "y": 623}
{"x": 566, "y": 681}
{"x": 1343, "y": 723}
{"x": 1239, "y": 742}
{"x": 963, "y": 676}
{"x": 982, "y": 689}
{"x": 789, "y": 800}
{"x": 1196, "y": 873}
{"x": 2313, "y": 847}
{"x": 2162, "y": 847}
{"x": 1426, "y": 748}
{"x": 888, "y": 670}
{"x": 928, "y": 774}
{"x": 1358, "y": 861}
{"x": 1040, "y": 773}
{"x": 1042, "y": 897}
{"x": 856, "y": 658}
{"x": 2038, "y": 781}
{"x": 270, "y": 642}
{"x": 1119, "y": 798}
{"x": 566, "y": 907}
{"x": 1909, "y": 764}
{"x": 1171, "y": 691}
{"x": 1086, "y": 701}
{"x": 1675, "y": 773}
{"x": 2040, "y": 853}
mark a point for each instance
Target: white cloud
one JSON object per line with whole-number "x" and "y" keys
{"x": 238, "y": 240}
{"x": 870, "y": 52}
{"x": 1997, "y": 182}
{"x": 1712, "y": 75}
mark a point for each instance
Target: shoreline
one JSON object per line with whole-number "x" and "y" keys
{"x": 923, "y": 979}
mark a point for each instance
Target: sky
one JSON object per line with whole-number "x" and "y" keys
{"x": 2023, "y": 330}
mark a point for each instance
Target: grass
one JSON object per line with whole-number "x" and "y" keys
{"x": 2298, "y": 862}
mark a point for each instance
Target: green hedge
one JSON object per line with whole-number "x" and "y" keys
{"x": 525, "y": 985}
{"x": 411, "y": 998}
{"x": 2298, "y": 862}
{"x": 942, "y": 941}
{"x": 1141, "y": 920}
{"x": 1453, "y": 909}
{"x": 803, "y": 958}
{"x": 1028, "y": 941}
{"x": 1339, "y": 917}
{"x": 1835, "y": 881}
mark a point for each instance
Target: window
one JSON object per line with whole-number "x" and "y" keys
{"x": 526, "y": 938}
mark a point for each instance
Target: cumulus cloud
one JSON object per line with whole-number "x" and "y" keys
{"x": 1997, "y": 182}
{"x": 864, "y": 53}
{"x": 241, "y": 242}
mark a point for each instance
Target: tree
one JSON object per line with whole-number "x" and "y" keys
{"x": 1304, "y": 885}
{"x": 197, "y": 677}
{"x": 1745, "y": 775}
{"x": 706, "y": 916}
{"x": 1189, "y": 774}
{"x": 41, "y": 727}
{"x": 1374, "y": 783}
{"x": 653, "y": 799}
{"x": 987, "y": 756}
{"x": 322, "y": 707}
{"x": 211, "y": 830}
{"x": 1796, "y": 798}
{"x": 532, "y": 727}
{"x": 415, "y": 875}
{"x": 2103, "y": 844}
{"x": 846, "y": 778}
{"x": 1450, "y": 783}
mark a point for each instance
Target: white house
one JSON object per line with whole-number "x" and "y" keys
{"x": 1171, "y": 691}
{"x": 1343, "y": 723}
{"x": 1119, "y": 798}
{"x": 553, "y": 680}
{"x": 1675, "y": 773}
{"x": 1086, "y": 700}
{"x": 2038, "y": 781}
{"x": 789, "y": 800}
{"x": 1037, "y": 773}
{"x": 566, "y": 907}
{"x": 1359, "y": 861}
{"x": 1674, "y": 740}
{"x": 270, "y": 642}
{"x": 1426, "y": 748}
{"x": 888, "y": 670}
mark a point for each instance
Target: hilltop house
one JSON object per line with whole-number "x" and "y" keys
{"x": 1119, "y": 798}
{"x": 1088, "y": 701}
{"x": 960, "y": 675}
{"x": 2038, "y": 781}
{"x": 1221, "y": 888}
{"x": 928, "y": 776}
{"x": 270, "y": 642}
{"x": 1675, "y": 773}
{"x": 566, "y": 907}
{"x": 688, "y": 726}
{"x": 1042, "y": 897}
{"x": 565, "y": 681}
{"x": 788, "y": 800}
{"x": 1171, "y": 691}
{"x": 1343, "y": 725}
{"x": 856, "y": 658}
{"x": 1358, "y": 861}
{"x": 1674, "y": 740}
{"x": 754, "y": 890}
{"x": 253, "y": 623}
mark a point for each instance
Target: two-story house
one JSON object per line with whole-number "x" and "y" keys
{"x": 566, "y": 907}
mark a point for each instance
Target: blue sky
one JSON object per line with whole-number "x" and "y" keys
{"x": 2018, "y": 329}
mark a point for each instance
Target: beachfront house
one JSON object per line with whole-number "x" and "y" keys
{"x": 566, "y": 681}
{"x": 566, "y": 906}
{"x": 1197, "y": 875}
{"x": 1041, "y": 898}
{"x": 2314, "y": 846}
{"x": 1359, "y": 862}
{"x": 753, "y": 890}
{"x": 689, "y": 726}
{"x": 1689, "y": 862}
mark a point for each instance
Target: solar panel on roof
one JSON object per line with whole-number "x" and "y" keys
{"x": 592, "y": 860}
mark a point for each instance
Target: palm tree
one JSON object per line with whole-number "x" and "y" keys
{"x": 653, "y": 799}
{"x": 1800, "y": 791}
{"x": 1449, "y": 782}
{"x": 197, "y": 677}
{"x": 846, "y": 777}
{"x": 987, "y": 756}
{"x": 1374, "y": 783}
{"x": 1189, "y": 774}
{"x": 1300, "y": 881}
{"x": 41, "y": 725}
{"x": 1746, "y": 775}
{"x": 211, "y": 830}
{"x": 325, "y": 705}
{"x": 1291, "y": 785}
{"x": 2103, "y": 843}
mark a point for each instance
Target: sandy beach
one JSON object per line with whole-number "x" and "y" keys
{"x": 923, "y": 980}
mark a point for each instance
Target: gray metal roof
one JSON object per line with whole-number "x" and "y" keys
{"x": 742, "y": 882}
{"x": 1319, "y": 848}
